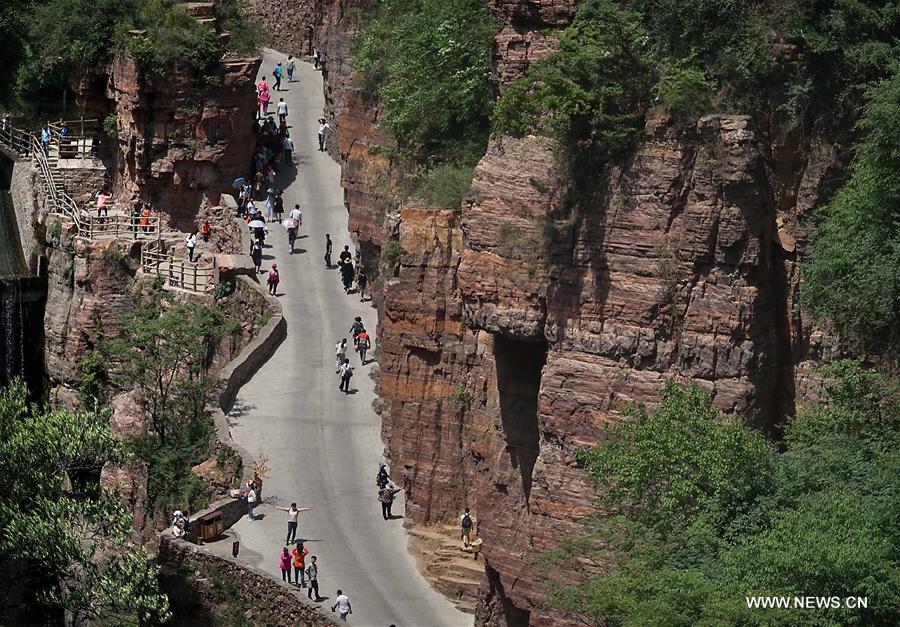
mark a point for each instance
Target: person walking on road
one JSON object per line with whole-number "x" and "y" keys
{"x": 273, "y": 279}
{"x": 285, "y": 564}
{"x": 363, "y": 344}
{"x": 466, "y": 522}
{"x": 355, "y": 329}
{"x": 251, "y": 502}
{"x": 292, "y": 512}
{"x": 312, "y": 577}
{"x": 328, "y": 245}
{"x": 342, "y": 603}
{"x": 386, "y": 496}
{"x": 347, "y": 273}
{"x": 290, "y": 68}
{"x": 362, "y": 281}
{"x": 345, "y": 257}
{"x": 300, "y": 552}
{"x": 382, "y": 478}
{"x": 346, "y": 372}
{"x": 287, "y": 150}
{"x": 340, "y": 354}
{"x": 282, "y": 110}
{"x": 279, "y": 204}
{"x": 191, "y": 242}
{"x": 256, "y": 255}
{"x": 324, "y": 129}
{"x": 277, "y": 73}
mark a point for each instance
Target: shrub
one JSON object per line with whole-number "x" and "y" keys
{"x": 173, "y": 39}
{"x": 852, "y": 268}
{"x": 111, "y": 126}
{"x": 461, "y": 397}
{"x": 684, "y": 90}
{"x": 392, "y": 253}
{"x": 591, "y": 93}
{"x": 430, "y": 61}
{"x": 443, "y": 186}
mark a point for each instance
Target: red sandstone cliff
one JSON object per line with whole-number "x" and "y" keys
{"x": 176, "y": 143}
{"x": 515, "y": 327}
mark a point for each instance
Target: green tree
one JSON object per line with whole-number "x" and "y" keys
{"x": 164, "y": 354}
{"x": 708, "y": 513}
{"x": 61, "y": 535}
{"x": 430, "y": 62}
{"x": 852, "y": 269}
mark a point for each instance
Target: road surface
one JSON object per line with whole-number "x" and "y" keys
{"x": 324, "y": 446}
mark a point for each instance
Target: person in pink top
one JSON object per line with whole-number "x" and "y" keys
{"x": 285, "y": 564}
{"x": 102, "y": 199}
{"x": 262, "y": 88}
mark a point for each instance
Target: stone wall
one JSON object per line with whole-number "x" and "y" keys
{"x": 22, "y": 192}
{"x": 259, "y": 596}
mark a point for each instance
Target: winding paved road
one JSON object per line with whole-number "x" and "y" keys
{"x": 324, "y": 446}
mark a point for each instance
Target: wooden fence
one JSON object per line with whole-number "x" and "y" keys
{"x": 177, "y": 273}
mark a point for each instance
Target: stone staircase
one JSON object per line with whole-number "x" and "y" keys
{"x": 453, "y": 570}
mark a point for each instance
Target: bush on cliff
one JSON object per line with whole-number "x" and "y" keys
{"x": 61, "y": 534}
{"x": 852, "y": 269}
{"x": 430, "y": 63}
{"x": 708, "y": 513}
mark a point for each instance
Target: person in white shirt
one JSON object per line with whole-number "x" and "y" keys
{"x": 346, "y": 372}
{"x": 288, "y": 147}
{"x": 282, "y": 110}
{"x": 343, "y": 604}
{"x": 292, "y": 512}
{"x": 324, "y": 127}
{"x": 251, "y": 503}
{"x": 340, "y": 354}
{"x": 296, "y": 214}
{"x": 191, "y": 242}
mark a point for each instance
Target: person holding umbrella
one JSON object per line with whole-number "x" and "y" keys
{"x": 291, "y": 225}
{"x": 258, "y": 226}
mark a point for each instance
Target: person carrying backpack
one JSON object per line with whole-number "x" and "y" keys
{"x": 355, "y": 329}
{"x": 273, "y": 279}
{"x": 362, "y": 345}
{"x": 382, "y": 478}
{"x": 277, "y": 74}
{"x": 466, "y": 523}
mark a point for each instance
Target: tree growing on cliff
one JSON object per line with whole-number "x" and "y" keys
{"x": 61, "y": 534}
{"x": 164, "y": 353}
{"x": 708, "y": 514}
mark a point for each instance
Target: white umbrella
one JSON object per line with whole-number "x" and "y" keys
{"x": 290, "y": 223}
{"x": 257, "y": 224}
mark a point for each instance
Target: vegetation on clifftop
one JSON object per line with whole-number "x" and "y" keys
{"x": 49, "y": 40}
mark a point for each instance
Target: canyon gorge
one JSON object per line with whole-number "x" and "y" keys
{"x": 545, "y": 292}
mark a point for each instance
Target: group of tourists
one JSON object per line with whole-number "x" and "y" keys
{"x": 362, "y": 343}
{"x": 348, "y": 272}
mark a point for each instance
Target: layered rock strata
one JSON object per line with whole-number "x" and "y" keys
{"x": 513, "y": 329}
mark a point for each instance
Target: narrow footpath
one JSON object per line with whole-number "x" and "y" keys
{"x": 324, "y": 446}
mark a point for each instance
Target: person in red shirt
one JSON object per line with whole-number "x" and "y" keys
{"x": 205, "y": 230}
{"x": 363, "y": 343}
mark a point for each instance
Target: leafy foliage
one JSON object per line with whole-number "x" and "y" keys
{"x": 430, "y": 61}
{"x": 709, "y": 514}
{"x": 852, "y": 269}
{"x": 165, "y": 357}
{"x": 59, "y": 531}
{"x": 442, "y": 186}
{"x": 590, "y": 93}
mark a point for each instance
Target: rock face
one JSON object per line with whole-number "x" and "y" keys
{"x": 288, "y": 24}
{"x": 514, "y": 328}
{"x": 175, "y": 147}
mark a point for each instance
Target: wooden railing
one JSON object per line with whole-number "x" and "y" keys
{"x": 177, "y": 273}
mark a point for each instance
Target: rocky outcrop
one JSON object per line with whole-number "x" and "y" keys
{"x": 288, "y": 24}
{"x": 178, "y": 142}
{"x": 513, "y": 329}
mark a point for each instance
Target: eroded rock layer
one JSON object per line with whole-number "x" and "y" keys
{"x": 515, "y": 327}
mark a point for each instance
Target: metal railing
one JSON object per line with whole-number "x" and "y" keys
{"x": 121, "y": 227}
{"x": 15, "y": 140}
{"x": 59, "y": 200}
{"x": 177, "y": 273}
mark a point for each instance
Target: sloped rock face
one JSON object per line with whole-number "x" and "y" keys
{"x": 177, "y": 144}
{"x": 288, "y": 24}
{"x": 514, "y": 328}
